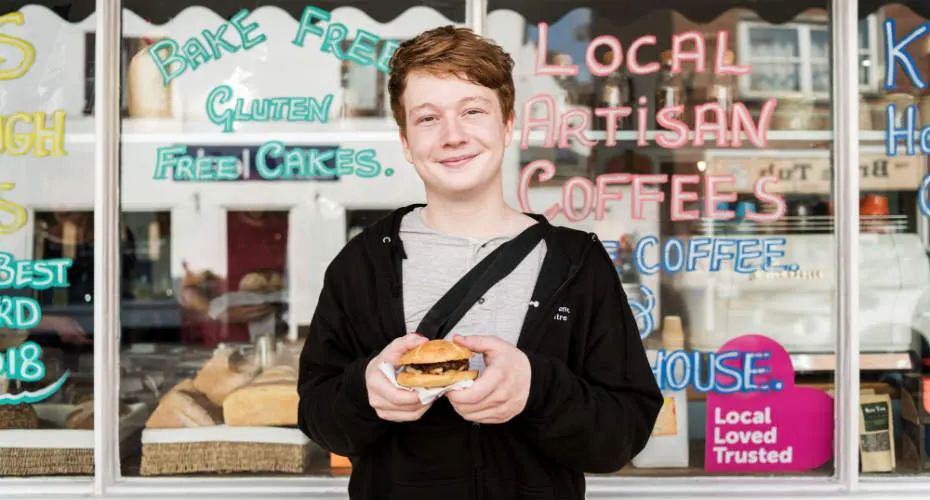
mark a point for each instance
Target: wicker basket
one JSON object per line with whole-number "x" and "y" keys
{"x": 46, "y": 461}
{"x": 223, "y": 458}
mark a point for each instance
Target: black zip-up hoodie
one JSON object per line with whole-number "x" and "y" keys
{"x": 593, "y": 398}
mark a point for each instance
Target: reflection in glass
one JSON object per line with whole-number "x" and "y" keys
{"x": 775, "y": 77}
{"x": 775, "y": 43}
{"x": 364, "y": 87}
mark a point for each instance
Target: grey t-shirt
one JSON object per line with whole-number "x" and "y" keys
{"x": 436, "y": 261}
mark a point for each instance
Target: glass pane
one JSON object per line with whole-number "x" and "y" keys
{"x": 226, "y": 237}
{"x": 774, "y": 42}
{"x": 779, "y": 77}
{"x": 690, "y": 307}
{"x": 894, "y": 270}
{"x": 46, "y": 228}
{"x": 820, "y": 44}
{"x": 865, "y": 36}
{"x": 820, "y": 77}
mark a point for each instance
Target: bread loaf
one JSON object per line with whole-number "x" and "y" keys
{"x": 266, "y": 404}
{"x": 227, "y": 371}
{"x": 276, "y": 374}
{"x": 147, "y": 96}
{"x": 184, "y": 385}
{"x": 179, "y": 409}
{"x": 81, "y": 417}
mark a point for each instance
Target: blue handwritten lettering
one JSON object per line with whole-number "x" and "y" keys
{"x": 19, "y": 312}
{"x": 894, "y": 53}
{"x": 270, "y": 161}
{"x": 676, "y": 370}
{"x": 894, "y": 134}
{"x": 362, "y": 50}
{"x": 291, "y": 109}
{"x": 168, "y": 54}
{"x": 642, "y": 313}
{"x": 35, "y": 274}
{"x": 748, "y": 255}
{"x": 34, "y": 396}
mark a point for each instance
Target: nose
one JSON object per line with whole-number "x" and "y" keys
{"x": 452, "y": 134}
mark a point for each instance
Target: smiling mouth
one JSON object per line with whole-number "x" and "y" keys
{"x": 458, "y": 161}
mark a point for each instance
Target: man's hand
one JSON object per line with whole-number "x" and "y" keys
{"x": 245, "y": 314}
{"x": 391, "y": 403}
{"x": 68, "y": 330}
{"x": 502, "y": 390}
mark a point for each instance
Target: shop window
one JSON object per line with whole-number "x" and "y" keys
{"x": 242, "y": 260}
{"x": 793, "y": 59}
{"x": 894, "y": 273}
{"x": 699, "y": 310}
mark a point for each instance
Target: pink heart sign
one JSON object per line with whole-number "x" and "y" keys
{"x": 777, "y": 426}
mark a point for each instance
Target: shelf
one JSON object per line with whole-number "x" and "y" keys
{"x": 381, "y": 129}
{"x": 867, "y": 361}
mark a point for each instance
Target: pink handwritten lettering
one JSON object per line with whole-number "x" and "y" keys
{"x": 697, "y": 55}
{"x": 711, "y": 197}
{"x": 573, "y": 123}
{"x": 641, "y": 195}
{"x": 603, "y": 194}
{"x": 568, "y": 198}
{"x": 764, "y": 196}
{"x": 679, "y": 197}
{"x": 595, "y": 66}
{"x": 717, "y": 126}
{"x": 546, "y": 172}
{"x": 529, "y": 123}
{"x": 631, "y": 61}
{"x": 595, "y": 195}
{"x": 722, "y": 68}
{"x": 679, "y": 54}
{"x": 742, "y": 118}
{"x": 542, "y": 49}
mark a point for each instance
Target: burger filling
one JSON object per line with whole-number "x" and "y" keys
{"x": 459, "y": 365}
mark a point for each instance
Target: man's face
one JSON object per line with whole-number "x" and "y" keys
{"x": 456, "y": 135}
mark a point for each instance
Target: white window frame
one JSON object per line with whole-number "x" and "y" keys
{"x": 804, "y": 57}
{"x": 844, "y": 483}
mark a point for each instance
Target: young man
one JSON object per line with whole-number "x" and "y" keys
{"x": 566, "y": 388}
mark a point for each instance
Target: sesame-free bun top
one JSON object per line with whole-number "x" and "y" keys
{"x": 435, "y": 351}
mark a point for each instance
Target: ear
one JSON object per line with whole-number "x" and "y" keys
{"x": 508, "y": 129}
{"x": 403, "y": 142}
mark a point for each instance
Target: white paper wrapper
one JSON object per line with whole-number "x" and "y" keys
{"x": 235, "y": 299}
{"x": 427, "y": 396}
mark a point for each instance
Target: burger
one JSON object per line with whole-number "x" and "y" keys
{"x": 437, "y": 363}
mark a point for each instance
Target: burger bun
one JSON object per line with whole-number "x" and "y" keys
{"x": 435, "y": 351}
{"x": 430, "y": 381}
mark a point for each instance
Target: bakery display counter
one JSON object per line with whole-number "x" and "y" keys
{"x": 236, "y": 414}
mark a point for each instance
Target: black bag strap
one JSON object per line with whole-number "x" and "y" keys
{"x": 450, "y": 309}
